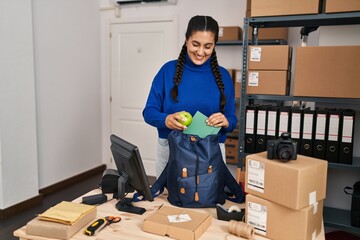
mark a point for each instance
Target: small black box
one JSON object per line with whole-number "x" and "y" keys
{"x": 94, "y": 199}
{"x": 109, "y": 181}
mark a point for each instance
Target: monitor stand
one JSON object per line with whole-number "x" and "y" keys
{"x": 126, "y": 206}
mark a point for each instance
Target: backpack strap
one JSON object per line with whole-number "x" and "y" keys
{"x": 235, "y": 188}
{"x": 157, "y": 188}
{"x": 160, "y": 184}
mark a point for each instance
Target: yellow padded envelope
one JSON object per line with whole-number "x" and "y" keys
{"x": 66, "y": 212}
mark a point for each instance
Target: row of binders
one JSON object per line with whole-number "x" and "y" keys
{"x": 321, "y": 133}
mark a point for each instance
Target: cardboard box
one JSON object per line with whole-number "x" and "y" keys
{"x": 284, "y": 7}
{"x": 231, "y": 33}
{"x": 274, "y": 57}
{"x": 177, "y": 223}
{"x": 281, "y": 223}
{"x": 57, "y": 230}
{"x": 268, "y": 82}
{"x": 232, "y": 74}
{"x": 248, "y": 8}
{"x": 231, "y": 148}
{"x": 270, "y": 33}
{"x": 333, "y": 6}
{"x": 238, "y": 78}
{"x": 248, "y": 4}
{"x": 327, "y": 71}
{"x": 295, "y": 184}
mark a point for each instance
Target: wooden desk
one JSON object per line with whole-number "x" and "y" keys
{"x": 130, "y": 227}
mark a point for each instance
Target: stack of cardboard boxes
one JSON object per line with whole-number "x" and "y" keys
{"x": 285, "y": 199}
{"x": 232, "y": 146}
{"x": 268, "y": 70}
{"x": 319, "y": 71}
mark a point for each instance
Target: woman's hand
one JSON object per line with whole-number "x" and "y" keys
{"x": 217, "y": 120}
{"x": 171, "y": 121}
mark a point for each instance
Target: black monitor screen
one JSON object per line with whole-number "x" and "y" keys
{"x": 131, "y": 170}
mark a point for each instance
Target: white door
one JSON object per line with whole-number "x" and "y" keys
{"x": 138, "y": 49}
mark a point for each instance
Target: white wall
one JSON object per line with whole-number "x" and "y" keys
{"x": 67, "y": 70}
{"x": 18, "y": 143}
{"x": 50, "y": 119}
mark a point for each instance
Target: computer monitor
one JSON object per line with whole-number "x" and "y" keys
{"x": 132, "y": 175}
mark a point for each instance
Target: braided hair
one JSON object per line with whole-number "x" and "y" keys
{"x": 200, "y": 23}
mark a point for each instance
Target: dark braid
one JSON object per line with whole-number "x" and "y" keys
{"x": 178, "y": 72}
{"x": 216, "y": 72}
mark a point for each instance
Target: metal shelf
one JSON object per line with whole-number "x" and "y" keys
{"x": 333, "y": 217}
{"x": 261, "y": 42}
{"x": 230, "y": 43}
{"x": 354, "y": 166}
{"x": 339, "y": 218}
{"x": 306, "y": 20}
{"x": 305, "y": 99}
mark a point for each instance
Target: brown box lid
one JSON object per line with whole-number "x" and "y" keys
{"x": 230, "y": 33}
{"x": 283, "y": 7}
{"x": 177, "y": 223}
{"x": 269, "y": 57}
{"x": 294, "y": 184}
{"x": 333, "y": 6}
{"x": 270, "y": 33}
{"x": 327, "y": 71}
{"x": 278, "y": 222}
{"x": 267, "y": 82}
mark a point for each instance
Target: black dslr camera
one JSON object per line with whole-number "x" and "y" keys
{"x": 283, "y": 148}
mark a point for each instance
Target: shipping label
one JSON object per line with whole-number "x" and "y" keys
{"x": 256, "y": 173}
{"x": 179, "y": 218}
{"x": 257, "y": 217}
{"x": 255, "y": 54}
{"x": 253, "y": 80}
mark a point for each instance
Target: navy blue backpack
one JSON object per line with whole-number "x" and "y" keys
{"x": 196, "y": 175}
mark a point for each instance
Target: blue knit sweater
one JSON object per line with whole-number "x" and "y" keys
{"x": 198, "y": 91}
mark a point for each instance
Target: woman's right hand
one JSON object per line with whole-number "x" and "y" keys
{"x": 171, "y": 122}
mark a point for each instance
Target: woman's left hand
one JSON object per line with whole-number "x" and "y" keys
{"x": 217, "y": 120}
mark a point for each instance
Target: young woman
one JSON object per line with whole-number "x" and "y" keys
{"x": 193, "y": 82}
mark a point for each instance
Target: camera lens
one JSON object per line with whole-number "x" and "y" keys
{"x": 285, "y": 153}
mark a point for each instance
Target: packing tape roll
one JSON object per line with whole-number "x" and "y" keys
{"x": 234, "y": 208}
